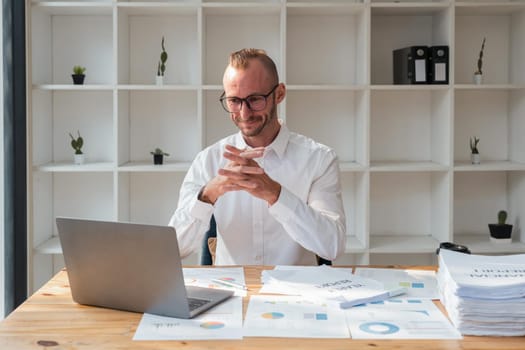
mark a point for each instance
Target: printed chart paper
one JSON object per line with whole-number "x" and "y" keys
{"x": 224, "y": 321}
{"x": 205, "y": 276}
{"x": 400, "y": 318}
{"x": 293, "y": 317}
{"x": 418, "y": 283}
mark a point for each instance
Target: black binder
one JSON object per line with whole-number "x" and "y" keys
{"x": 410, "y": 65}
{"x": 438, "y": 65}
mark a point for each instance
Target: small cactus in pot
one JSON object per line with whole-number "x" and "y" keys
{"x": 161, "y": 66}
{"x": 158, "y": 156}
{"x": 501, "y": 232}
{"x": 478, "y": 74}
{"x": 78, "y": 75}
{"x": 474, "y": 152}
{"x": 77, "y": 144}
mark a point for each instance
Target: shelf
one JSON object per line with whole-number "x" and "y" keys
{"x": 354, "y": 245}
{"x": 408, "y": 8}
{"x": 413, "y": 2}
{"x": 489, "y": 166}
{"x": 157, "y": 8}
{"x": 351, "y": 167}
{"x": 51, "y": 246}
{"x": 492, "y": 8}
{"x": 68, "y": 8}
{"x": 324, "y": 8}
{"x": 484, "y": 87}
{"x": 406, "y": 87}
{"x": 481, "y": 244}
{"x": 397, "y": 244}
{"x": 148, "y": 167}
{"x": 396, "y": 166}
{"x": 70, "y": 167}
{"x": 241, "y": 8}
{"x": 403, "y": 150}
{"x": 70, "y": 87}
{"x": 325, "y": 87}
{"x": 151, "y": 87}
{"x": 65, "y": 34}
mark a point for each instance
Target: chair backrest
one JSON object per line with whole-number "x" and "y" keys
{"x": 208, "y": 255}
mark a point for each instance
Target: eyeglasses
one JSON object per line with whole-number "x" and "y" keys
{"x": 253, "y": 102}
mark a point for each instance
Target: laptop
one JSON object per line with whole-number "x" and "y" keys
{"x": 132, "y": 267}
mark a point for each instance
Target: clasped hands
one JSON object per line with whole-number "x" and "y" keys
{"x": 242, "y": 173}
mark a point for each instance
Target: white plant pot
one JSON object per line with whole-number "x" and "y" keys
{"x": 159, "y": 80}
{"x": 474, "y": 158}
{"x": 478, "y": 79}
{"x": 79, "y": 159}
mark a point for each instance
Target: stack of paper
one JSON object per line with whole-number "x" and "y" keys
{"x": 483, "y": 295}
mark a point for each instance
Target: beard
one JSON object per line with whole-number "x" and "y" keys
{"x": 263, "y": 121}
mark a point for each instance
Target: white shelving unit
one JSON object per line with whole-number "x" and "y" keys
{"x": 407, "y": 180}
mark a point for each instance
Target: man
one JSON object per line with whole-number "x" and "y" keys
{"x": 275, "y": 195}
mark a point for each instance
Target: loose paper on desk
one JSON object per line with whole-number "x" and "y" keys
{"x": 400, "y": 318}
{"x": 224, "y": 321}
{"x": 293, "y": 317}
{"x": 418, "y": 283}
{"x": 326, "y": 283}
{"x": 272, "y": 286}
{"x": 211, "y": 277}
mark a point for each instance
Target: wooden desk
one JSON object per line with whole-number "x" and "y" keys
{"x": 50, "y": 320}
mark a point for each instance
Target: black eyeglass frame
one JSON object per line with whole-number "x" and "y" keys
{"x": 245, "y": 100}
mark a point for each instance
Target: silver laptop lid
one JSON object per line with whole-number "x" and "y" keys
{"x": 134, "y": 267}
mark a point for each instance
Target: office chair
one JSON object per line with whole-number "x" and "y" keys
{"x": 206, "y": 256}
{"x": 210, "y": 240}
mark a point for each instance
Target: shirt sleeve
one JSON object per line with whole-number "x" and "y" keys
{"x": 319, "y": 225}
{"x": 192, "y": 217}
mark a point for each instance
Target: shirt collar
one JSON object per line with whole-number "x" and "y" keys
{"x": 278, "y": 145}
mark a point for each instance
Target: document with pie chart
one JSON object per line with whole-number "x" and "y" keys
{"x": 293, "y": 317}
{"x": 400, "y": 318}
{"x": 224, "y": 321}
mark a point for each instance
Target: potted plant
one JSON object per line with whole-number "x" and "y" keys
{"x": 474, "y": 153}
{"x": 478, "y": 74}
{"x": 501, "y": 232}
{"x": 161, "y": 67}
{"x": 158, "y": 156}
{"x": 78, "y": 75}
{"x": 77, "y": 144}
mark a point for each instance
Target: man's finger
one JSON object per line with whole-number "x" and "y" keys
{"x": 240, "y": 170}
{"x": 253, "y": 153}
{"x": 240, "y": 160}
{"x": 233, "y": 149}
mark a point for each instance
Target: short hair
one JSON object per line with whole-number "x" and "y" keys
{"x": 241, "y": 60}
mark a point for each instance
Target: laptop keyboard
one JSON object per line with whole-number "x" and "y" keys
{"x": 195, "y": 303}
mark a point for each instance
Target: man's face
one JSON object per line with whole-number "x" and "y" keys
{"x": 246, "y": 82}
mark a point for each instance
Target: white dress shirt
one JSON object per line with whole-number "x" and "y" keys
{"x": 307, "y": 219}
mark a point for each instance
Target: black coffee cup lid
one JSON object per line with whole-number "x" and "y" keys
{"x": 454, "y": 247}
